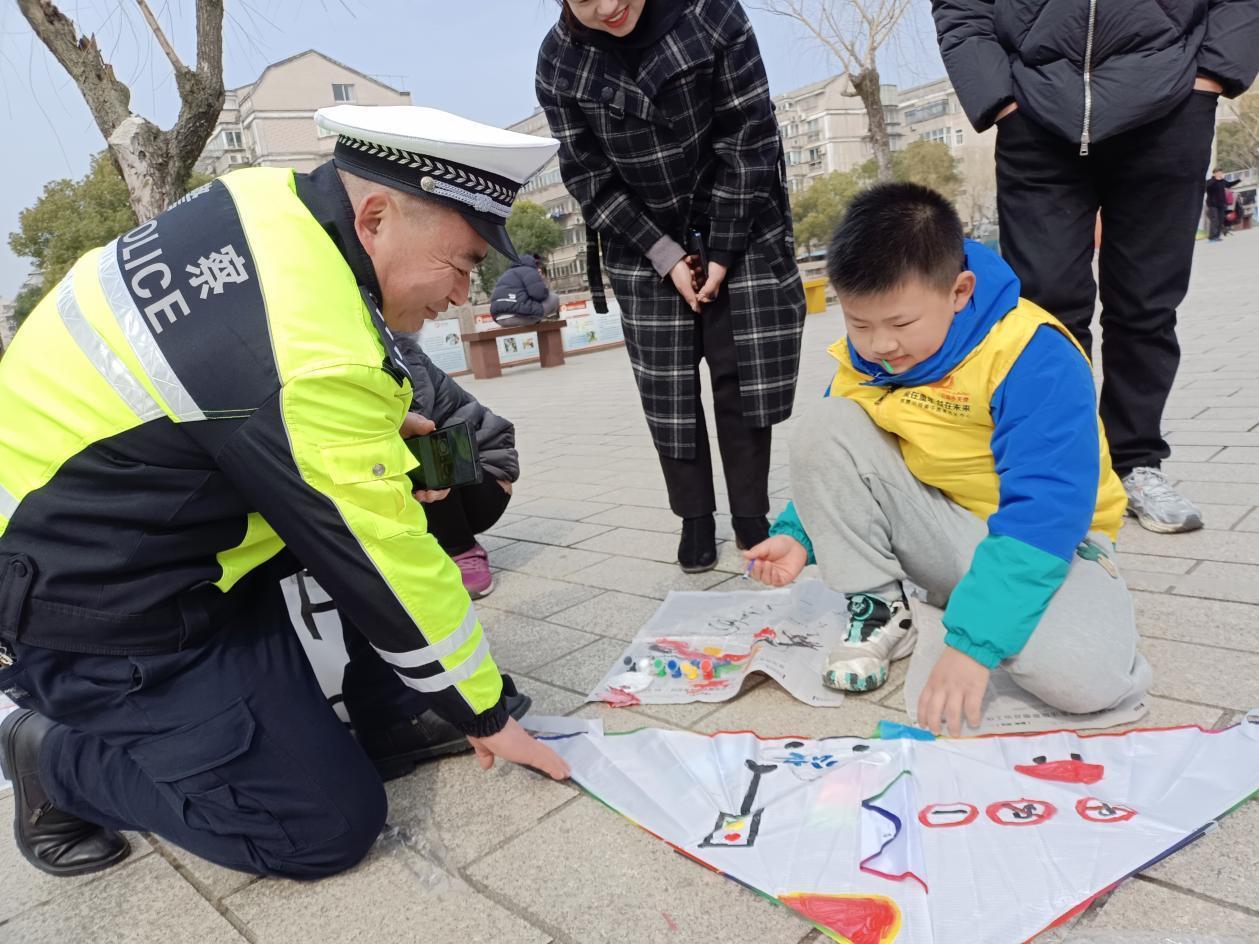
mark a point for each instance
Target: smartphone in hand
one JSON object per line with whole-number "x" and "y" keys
{"x": 448, "y": 458}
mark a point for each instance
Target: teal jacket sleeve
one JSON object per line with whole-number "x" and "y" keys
{"x": 789, "y": 523}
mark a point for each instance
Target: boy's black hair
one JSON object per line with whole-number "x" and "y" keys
{"x": 894, "y": 232}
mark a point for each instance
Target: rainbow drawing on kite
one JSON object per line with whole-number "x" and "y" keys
{"x": 988, "y": 840}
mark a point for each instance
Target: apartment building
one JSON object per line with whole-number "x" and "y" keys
{"x": 270, "y": 122}
{"x": 824, "y": 128}
{"x": 567, "y": 264}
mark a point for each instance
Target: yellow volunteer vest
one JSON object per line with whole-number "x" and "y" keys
{"x": 945, "y": 428}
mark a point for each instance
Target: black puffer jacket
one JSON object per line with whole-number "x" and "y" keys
{"x": 443, "y": 401}
{"x": 1089, "y": 69}
{"x": 520, "y": 290}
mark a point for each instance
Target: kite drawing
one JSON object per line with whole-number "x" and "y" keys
{"x": 702, "y": 646}
{"x": 987, "y": 840}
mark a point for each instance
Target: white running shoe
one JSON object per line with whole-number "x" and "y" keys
{"x": 879, "y": 632}
{"x": 1158, "y": 506}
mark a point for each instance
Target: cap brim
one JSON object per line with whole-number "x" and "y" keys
{"x": 495, "y": 234}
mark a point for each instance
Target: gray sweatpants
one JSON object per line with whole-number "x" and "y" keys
{"x": 873, "y": 524}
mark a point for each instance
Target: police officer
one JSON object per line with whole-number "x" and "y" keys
{"x": 199, "y": 406}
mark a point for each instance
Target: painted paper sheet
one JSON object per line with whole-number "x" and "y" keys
{"x": 987, "y": 840}
{"x": 702, "y": 646}
{"x": 1007, "y": 708}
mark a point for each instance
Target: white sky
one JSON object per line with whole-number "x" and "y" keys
{"x": 474, "y": 57}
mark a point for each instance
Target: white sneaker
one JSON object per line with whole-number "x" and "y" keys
{"x": 1158, "y": 506}
{"x": 879, "y": 632}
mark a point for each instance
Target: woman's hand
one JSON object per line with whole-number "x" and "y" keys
{"x": 430, "y": 495}
{"x": 1008, "y": 110}
{"x": 504, "y": 485}
{"x": 683, "y": 282}
{"x": 777, "y": 561}
{"x": 414, "y": 424}
{"x": 515, "y": 744}
{"x": 716, "y": 275}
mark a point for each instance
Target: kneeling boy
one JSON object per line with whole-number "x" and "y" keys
{"x": 959, "y": 447}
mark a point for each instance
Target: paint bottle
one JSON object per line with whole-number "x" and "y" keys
{"x": 658, "y": 665}
{"x": 706, "y": 667}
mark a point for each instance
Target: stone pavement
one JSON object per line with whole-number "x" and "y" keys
{"x": 583, "y": 558}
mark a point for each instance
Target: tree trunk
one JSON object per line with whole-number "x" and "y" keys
{"x": 867, "y": 85}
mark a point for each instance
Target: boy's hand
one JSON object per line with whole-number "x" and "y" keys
{"x": 515, "y": 744}
{"x": 954, "y": 689}
{"x": 777, "y": 561}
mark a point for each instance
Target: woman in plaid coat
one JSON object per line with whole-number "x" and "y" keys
{"x": 665, "y": 124}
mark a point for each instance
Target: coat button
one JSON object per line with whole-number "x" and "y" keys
{"x": 378, "y": 470}
{"x": 607, "y": 94}
{"x": 562, "y": 84}
{"x": 19, "y": 568}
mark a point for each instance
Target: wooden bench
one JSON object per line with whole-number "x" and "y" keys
{"x": 483, "y": 347}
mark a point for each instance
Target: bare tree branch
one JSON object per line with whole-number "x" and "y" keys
{"x": 162, "y": 41}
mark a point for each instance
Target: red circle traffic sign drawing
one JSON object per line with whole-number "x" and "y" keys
{"x": 1020, "y": 812}
{"x": 1099, "y": 811}
{"x": 947, "y": 815}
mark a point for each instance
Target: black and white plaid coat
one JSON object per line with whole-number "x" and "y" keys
{"x": 690, "y": 140}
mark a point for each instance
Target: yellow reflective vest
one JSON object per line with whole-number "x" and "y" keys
{"x": 208, "y": 389}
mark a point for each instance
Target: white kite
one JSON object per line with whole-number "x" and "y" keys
{"x": 987, "y": 840}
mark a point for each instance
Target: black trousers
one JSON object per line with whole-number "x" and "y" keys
{"x": 1148, "y": 184}
{"x": 229, "y": 749}
{"x": 464, "y": 513}
{"x": 744, "y": 449}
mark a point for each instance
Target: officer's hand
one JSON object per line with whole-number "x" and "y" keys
{"x": 416, "y": 425}
{"x": 515, "y": 744}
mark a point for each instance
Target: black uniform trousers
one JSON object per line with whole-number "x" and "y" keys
{"x": 744, "y": 449}
{"x": 228, "y": 750}
{"x": 456, "y": 520}
{"x": 1148, "y": 184}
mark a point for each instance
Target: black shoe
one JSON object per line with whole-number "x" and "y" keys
{"x": 399, "y": 748}
{"x": 749, "y": 532}
{"x": 697, "y": 551}
{"x": 52, "y": 841}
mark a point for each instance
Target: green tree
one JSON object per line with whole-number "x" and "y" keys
{"x": 73, "y": 216}
{"x": 1237, "y": 142}
{"x": 816, "y": 211}
{"x": 25, "y": 301}
{"x": 531, "y": 230}
{"x": 929, "y": 163}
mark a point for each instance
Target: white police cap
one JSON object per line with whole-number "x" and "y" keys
{"x": 474, "y": 168}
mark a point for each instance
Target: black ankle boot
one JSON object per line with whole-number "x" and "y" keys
{"x": 52, "y": 841}
{"x": 697, "y": 551}
{"x": 749, "y": 532}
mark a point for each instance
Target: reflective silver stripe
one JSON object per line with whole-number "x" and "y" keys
{"x": 437, "y": 683}
{"x": 415, "y": 658}
{"x": 106, "y": 362}
{"x": 158, "y": 369}
{"x": 8, "y": 504}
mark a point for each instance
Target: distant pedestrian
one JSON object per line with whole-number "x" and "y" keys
{"x": 1217, "y": 205}
{"x": 1106, "y": 106}
{"x": 522, "y": 296}
{"x": 668, "y": 139}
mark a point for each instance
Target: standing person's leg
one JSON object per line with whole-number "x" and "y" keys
{"x": 689, "y": 483}
{"x": 228, "y": 750}
{"x": 1047, "y": 206}
{"x": 745, "y": 450}
{"x": 1150, "y": 221}
{"x": 1213, "y": 222}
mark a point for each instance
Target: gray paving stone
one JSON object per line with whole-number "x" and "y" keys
{"x": 385, "y": 900}
{"x": 492, "y": 542}
{"x": 433, "y": 803}
{"x": 550, "y": 488}
{"x": 633, "y": 888}
{"x": 563, "y": 508}
{"x": 1197, "y": 673}
{"x": 1215, "y": 622}
{"x": 634, "y": 542}
{"x": 1231, "y": 546}
{"x": 141, "y": 902}
{"x": 548, "y": 699}
{"x": 616, "y": 614}
{"x": 1171, "y": 915}
{"x": 1249, "y": 523}
{"x": 1220, "y": 581}
{"x": 23, "y": 886}
{"x": 643, "y": 577}
{"x": 1246, "y": 454}
{"x": 1219, "y": 517}
{"x": 1222, "y": 493}
{"x": 545, "y": 560}
{"x": 649, "y": 519}
{"x": 548, "y": 531}
{"x": 1212, "y": 471}
{"x": 1143, "y": 580}
{"x": 1186, "y": 453}
{"x": 580, "y": 671}
{"x": 630, "y": 495}
{"x": 538, "y": 597}
{"x": 1212, "y": 438}
{"x": 214, "y": 882}
{"x": 520, "y": 643}
{"x": 1224, "y": 862}
{"x": 1151, "y": 564}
